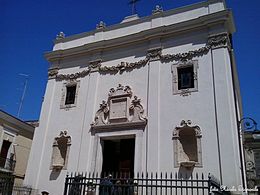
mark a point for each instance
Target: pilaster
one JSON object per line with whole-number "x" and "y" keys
{"x": 225, "y": 114}
{"x": 153, "y": 108}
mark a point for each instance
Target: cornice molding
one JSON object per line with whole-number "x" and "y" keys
{"x": 155, "y": 14}
{"x": 214, "y": 41}
{"x": 202, "y": 22}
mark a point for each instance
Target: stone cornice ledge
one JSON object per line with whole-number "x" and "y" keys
{"x": 122, "y": 125}
{"x": 141, "y": 20}
{"x": 162, "y": 31}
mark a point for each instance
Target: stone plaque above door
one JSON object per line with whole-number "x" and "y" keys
{"x": 120, "y": 111}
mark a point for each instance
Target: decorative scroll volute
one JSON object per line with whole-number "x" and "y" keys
{"x": 136, "y": 110}
{"x": 186, "y": 124}
{"x": 101, "y": 116}
{"x": 120, "y": 91}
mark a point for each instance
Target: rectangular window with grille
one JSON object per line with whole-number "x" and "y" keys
{"x": 70, "y": 94}
{"x": 185, "y": 78}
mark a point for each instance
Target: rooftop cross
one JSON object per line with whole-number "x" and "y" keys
{"x": 133, "y": 3}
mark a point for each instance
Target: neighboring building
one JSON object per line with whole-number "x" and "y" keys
{"x": 252, "y": 157}
{"x": 151, "y": 94}
{"x": 15, "y": 144}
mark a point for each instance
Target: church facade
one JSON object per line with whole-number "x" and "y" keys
{"x": 152, "y": 94}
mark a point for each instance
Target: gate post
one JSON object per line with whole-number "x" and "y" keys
{"x": 66, "y": 185}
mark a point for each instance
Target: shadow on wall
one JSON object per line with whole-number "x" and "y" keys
{"x": 185, "y": 173}
{"x": 45, "y": 193}
{"x": 54, "y": 174}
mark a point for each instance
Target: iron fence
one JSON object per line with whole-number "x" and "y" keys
{"x": 22, "y": 190}
{"x": 6, "y": 183}
{"x": 141, "y": 184}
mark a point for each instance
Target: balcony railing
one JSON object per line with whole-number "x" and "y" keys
{"x": 7, "y": 164}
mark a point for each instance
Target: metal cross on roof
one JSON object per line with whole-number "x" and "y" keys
{"x": 133, "y": 3}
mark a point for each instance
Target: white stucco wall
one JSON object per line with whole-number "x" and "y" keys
{"x": 212, "y": 107}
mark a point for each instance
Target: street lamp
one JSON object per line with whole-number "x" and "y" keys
{"x": 251, "y": 150}
{"x": 248, "y": 124}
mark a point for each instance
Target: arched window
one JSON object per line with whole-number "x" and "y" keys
{"x": 187, "y": 145}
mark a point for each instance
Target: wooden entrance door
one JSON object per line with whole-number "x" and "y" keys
{"x": 118, "y": 155}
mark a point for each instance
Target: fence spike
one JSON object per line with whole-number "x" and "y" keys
{"x": 197, "y": 176}
{"x": 202, "y": 176}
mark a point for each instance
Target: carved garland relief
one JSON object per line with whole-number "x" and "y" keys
{"x": 120, "y": 110}
{"x": 215, "y": 41}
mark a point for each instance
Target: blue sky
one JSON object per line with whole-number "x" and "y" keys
{"x": 28, "y": 27}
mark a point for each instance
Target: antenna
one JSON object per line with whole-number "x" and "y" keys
{"x": 2, "y": 106}
{"x": 23, "y": 94}
{"x": 133, "y": 3}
